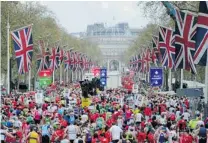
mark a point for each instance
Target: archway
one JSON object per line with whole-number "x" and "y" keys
{"x": 114, "y": 65}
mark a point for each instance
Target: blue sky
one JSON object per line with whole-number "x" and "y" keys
{"x": 76, "y": 15}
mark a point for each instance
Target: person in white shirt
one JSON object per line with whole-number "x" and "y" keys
{"x": 120, "y": 122}
{"x": 17, "y": 123}
{"x": 163, "y": 120}
{"x": 138, "y": 118}
{"x": 72, "y": 131}
{"x": 200, "y": 122}
{"x": 84, "y": 118}
{"x": 186, "y": 115}
{"x": 115, "y": 133}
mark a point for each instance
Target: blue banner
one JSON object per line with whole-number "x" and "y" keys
{"x": 103, "y": 77}
{"x": 103, "y": 72}
{"x": 156, "y": 76}
{"x": 103, "y": 81}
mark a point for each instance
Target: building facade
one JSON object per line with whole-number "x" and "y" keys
{"x": 113, "y": 42}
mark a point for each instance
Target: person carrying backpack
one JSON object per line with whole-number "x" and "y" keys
{"x": 71, "y": 118}
{"x": 88, "y": 137}
{"x": 163, "y": 136}
{"x": 202, "y": 133}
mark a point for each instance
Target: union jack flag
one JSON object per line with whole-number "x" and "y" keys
{"x": 74, "y": 60}
{"x": 166, "y": 46}
{"x": 201, "y": 54}
{"x": 90, "y": 63}
{"x": 87, "y": 63}
{"x": 143, "y": 62}
{"x": 54, "y": 58}
{"x": 136, "y": 63}
{"x": 155, "y": 41}
{"x": 139, "y": 63}
{"x": 23, "y": 47}
{"x": 154, "y": 57}
{"x": 84, "y": 61}
{"x": 61, "y": 57}
{"x": 42, "y": 57}
{"x": 147, "y": 59}
{"x": 133, "y": 63}
{"x": 130, "y": 63}
{"x": 185, "y": 30}
{"x": 67, "y": 60}
{"x": 79, "y": 58}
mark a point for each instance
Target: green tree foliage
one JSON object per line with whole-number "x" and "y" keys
{"x": 157, "y": 13}
{"x": 45, "y": 26}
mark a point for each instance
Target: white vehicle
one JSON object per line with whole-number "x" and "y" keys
{"x": 113, "y": 78}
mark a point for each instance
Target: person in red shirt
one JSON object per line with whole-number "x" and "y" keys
{"x": 186, "y": 103}
{"x": 95, "y": 138}
{"x": 63, "y": 122}
{"x": 186, "y": 138}
{"x": 150, "y": 138}
{"x": 147, "y": 113}
{"x": 141, "y": 137}
{"x": 107, "y": 134}
{"x": 162, "y": 108}
{"x": 19, "y": 135}
{"x": 181, "y": 124}
{"x": 14, "y": 103}
{"x": 31, "y": 105}
{"x": 58, "y": 134}
{"x": 109, "y": 122}
{"x": 103, "y": 139}
{"x": 128, "y": 114}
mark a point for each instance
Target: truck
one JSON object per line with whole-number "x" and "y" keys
{"x": 113, "y": 79}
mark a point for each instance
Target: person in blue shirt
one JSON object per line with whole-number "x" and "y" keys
{"x": 46, "y": 132}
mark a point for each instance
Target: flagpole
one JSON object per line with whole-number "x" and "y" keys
{"x": 206, "y": 83}
{"x": 53, "y": 76}
{"x": 60, "y": 73}
{"x": 67, "y": 76}
{"x": 181, "y": 78}
{"x": 72, "y": 74}
{"x": 148, "y": 76}
{"x": 8, "y": 57}
{"x": 29, "y": 78}
{"x": 170, "y": 81}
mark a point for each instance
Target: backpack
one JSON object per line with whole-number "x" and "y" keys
{"x": 202, "y": 132}
{"x": 88, "y": 137}
{"x": 72, "y": 119}
{"x": 162, "y": 138}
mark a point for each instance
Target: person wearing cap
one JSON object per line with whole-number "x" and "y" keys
{"x": 58, "y": 133}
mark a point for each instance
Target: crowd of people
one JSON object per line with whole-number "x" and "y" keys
{"x": 113, "y": 115}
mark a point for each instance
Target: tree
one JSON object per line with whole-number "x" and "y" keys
{"x": 157, "y": 13}
{"x": 44, "y": 23}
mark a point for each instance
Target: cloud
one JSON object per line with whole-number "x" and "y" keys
{"x": 75, "y": 16}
